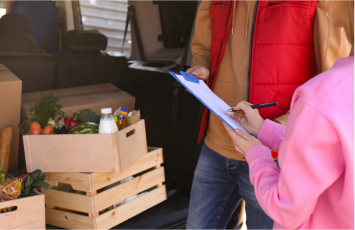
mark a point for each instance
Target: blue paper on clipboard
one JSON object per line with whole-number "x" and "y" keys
{"x": 203, "y": 93}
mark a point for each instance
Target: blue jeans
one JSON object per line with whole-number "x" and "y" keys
{"x": 219, "y": 185}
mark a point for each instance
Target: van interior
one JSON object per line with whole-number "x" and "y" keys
{"x": 133, "y": 45}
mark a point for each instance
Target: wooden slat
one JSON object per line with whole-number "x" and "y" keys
{"x": 149, "y": 160}
{"x": 29, "y": 213}
{"x": 123, "y": 191}
{"x": 75, "y": 166}
{"x": 69, "y": 220}
{"x": 78, "y": 181}
{"x": 67, "y": 200}
{"x": 131, "y": 209}
{"x": 89, "y": 182}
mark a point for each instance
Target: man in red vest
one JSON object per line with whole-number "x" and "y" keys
{"x": 259, "y": 51}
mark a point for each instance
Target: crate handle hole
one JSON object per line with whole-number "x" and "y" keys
{"x": 8, "y": 209}
{"x": 130, "y": 133}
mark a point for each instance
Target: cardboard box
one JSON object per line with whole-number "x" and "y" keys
{"x": 10, "y": 107}
{"x": 91, "y": 202}
{"x": 94, "y": 97}
{"x": 30, "y": 213}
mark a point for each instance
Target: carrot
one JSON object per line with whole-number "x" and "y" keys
{"x": 35, "y": 128}
{"x": 48, "y": 129}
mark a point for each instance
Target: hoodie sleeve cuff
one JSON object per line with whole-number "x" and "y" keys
{"x": 271, "y": 134}
{"x": 255, "y": 152}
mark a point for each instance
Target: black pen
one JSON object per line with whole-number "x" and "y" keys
{"x": 258, "y": 106}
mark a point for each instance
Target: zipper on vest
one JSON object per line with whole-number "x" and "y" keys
{"x": 251, "y": 48}
{"x": 220, "y": 48}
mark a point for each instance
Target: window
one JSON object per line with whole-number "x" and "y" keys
{"x": 108, "y": 17}
{"x": 2, "y": 8}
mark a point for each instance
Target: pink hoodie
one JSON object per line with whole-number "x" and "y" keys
{"x": 315, "y": 187}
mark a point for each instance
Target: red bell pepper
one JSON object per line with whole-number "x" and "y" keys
{"x": 71, "y": 122}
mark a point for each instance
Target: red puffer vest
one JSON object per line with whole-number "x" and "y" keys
{"x": 281, "y": 51}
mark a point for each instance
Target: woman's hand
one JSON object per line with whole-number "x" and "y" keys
{"x": 200, "y": 72}
{"x": 249, "y": 118}
{"x": 242, "y": 141}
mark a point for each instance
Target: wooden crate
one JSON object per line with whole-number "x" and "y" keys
{"x": 86, "y": 152}
{"x": 30, "y": 213}
{"x": 150, "y": 174}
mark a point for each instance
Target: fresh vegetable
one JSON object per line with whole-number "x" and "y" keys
{"x": 85, "y": 128}
{"x": 71, "y": 122}
{"x": 60, "y": 127}
{"x": 33, "y": 180}
{"x": 51, "y": 122}
{"x": 48, "y": 129}
{"x": 3, "y": 178}
{"x": 35, "y": 128}
{"x": 45, "y": 108}
{"x": 87, "y": 115}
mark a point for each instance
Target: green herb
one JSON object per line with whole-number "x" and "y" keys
{"x": 45, "y": 108}
{"x": 33, "y": 180}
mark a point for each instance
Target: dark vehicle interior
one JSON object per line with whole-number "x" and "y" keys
{"x": 160, "y": 34}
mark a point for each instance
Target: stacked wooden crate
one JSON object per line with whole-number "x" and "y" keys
{"x": 93, "y": 188}
{"x": 89, "y": 204}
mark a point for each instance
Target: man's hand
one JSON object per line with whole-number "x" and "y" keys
{"x": 249, "y": 118}
{"x": 242, "y": 141}
{"x": 200, "y": 72}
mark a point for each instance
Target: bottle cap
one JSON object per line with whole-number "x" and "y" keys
{"x": 124, "y": 110}
{"x": 106, "y": 110}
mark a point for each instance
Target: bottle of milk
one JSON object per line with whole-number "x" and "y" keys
{"x": 107, "y": 122}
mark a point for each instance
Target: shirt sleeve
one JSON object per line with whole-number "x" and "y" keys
{"x": 201, "y": 41}
{"x": 329, "y": 43}
{"x": 306, "y": 159}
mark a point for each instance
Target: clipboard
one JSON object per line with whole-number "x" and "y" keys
{"x": 204, "y": 94}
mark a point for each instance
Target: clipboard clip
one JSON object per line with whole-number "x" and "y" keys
{"x": 190, "y": 77}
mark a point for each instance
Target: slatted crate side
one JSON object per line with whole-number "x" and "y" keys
{"x": 90, "y": 182}
{"x": 109, "y": 219}
{"x": 131, "y": 209}
{"x": 128, "y": 189}
{"x": 30, "y": 213}
{"x": 153, "y": 158}
{"x": 97, "y": 202}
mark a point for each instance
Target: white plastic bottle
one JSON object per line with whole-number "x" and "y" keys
{"x": 107, "y": 122}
